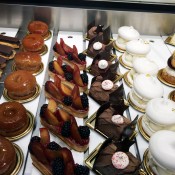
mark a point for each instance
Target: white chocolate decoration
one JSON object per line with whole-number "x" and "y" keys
{"x": 120, "y": 160}
{"x": 102, "y": 64}
{"x": 97, "y": 46}
{"x": 117, "y": 119}
{"x": 107, "y": 85}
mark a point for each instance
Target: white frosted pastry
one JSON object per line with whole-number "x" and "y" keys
{"x": 142, "y": 66}
{"x": 126, "y": 34}
{"x": 145, "y": 88}
{"x": 135, "y": 49}
{"x": 161, "y": 156}
{"x": 159, "y": 115}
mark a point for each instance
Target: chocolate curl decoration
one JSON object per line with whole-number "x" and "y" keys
{"x": 99, "y": 29}
{"x": 107, "y": 35}
{"x": 110, "y": 74}
{"x": 129, "y": 130}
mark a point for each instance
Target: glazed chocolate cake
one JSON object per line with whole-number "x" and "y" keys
{"x": 99, "y": 92}
{"x": 7, "y": 40}
{"x": 103, "y": 67}
{"x": 104, "y": 160}
{"x": 110, "y": 120}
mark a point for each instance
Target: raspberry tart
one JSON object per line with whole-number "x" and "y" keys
{"x": 52, "y": 159}
{"x": 70, "y": 76}
{"x": 69, "y": 99}
{"x": 64, "y": 125}
{"x": 69, "y": 55}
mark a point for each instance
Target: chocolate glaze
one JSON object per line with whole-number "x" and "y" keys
{"x": 97, "y": 92}
{"x": 8, "y": 39}
{"x": 6, "y": 50}
{"x": 2, "y": 60}
{"x": 103, "y": 163}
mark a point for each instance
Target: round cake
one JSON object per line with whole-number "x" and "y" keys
{"x": 168, "y": 73}
{"x": 38, "y": 27}
{"x": 161, "y": 154}
{"x": 126, "y": 34}
{"x": 145, "y": 88}
{"x": 160, "y": 115}
{"x": 29, "y": 61}
{"x": 13, "y": 119}
{"x": 142, "y": 66}
{"x": 7, "y": 156}
{"x": 33, "y": 42}
{"x": 20, "y": 85}
{"x": 135, "y": 49}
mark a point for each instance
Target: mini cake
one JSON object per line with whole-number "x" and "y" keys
{"x": 103, "y": 67}
{"x": 33, "y": 43}
{"x": 69, "y": 55}
{"x": 7, "y": 156}
{"x": 114, "y": 158}
{"x": 145, "y": 88}
{"x": 64, "y": 126}
{"x": 142, "y": 66}
{"x": 70, "y": 76}
{"x": 168, "y": 73}
{"x": 52, "y": 159}
{"x": 160, "y": 115}
{"x": 7, "y": 52}
{"x": 135, "y": 49}
{"x": 10, "y": 41}
{"x": 70, "y": 99}
{"x": 13, "y": 119}
{"x": 99, "y": 44}
{"x": 101, "y": 89}
{"x": 38, "y": 27}
{"x": 110, "y": 120}
{"x": 161, "y": 160}
{"x": 28, "y": 61}
{"x": 20, "y": 85}
{"x": 126, "y": 34}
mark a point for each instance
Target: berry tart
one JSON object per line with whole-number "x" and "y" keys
{"x": 52, "y": 159}
{"x": 99, "y": 44}
{"x": 114, "y": 158}
{"x": 110, "y": 120}
{"x": 69, "y": 55}
{"x": 69, "y": 75}
{"x": 64, "y": 125}
{"x": 69, "y": 99}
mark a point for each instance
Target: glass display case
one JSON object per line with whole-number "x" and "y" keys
{"x": 155, "y": 21}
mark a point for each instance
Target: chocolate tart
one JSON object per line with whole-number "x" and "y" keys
{"x": 102, "y": 163}
{"x": 10, "y": 41}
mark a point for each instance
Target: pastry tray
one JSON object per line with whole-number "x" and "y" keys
{"x": 168, "y": 39}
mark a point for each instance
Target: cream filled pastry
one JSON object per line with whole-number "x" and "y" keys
{"x": 160, "y": 115}
{"x": 145, "y": 88}
{"x": 135, "y": 49}
{"x": 161, "y": 154}
{"x": 168, "y": 73}
{"x": 142, "y": 66}
{"x": 126, "y": 34}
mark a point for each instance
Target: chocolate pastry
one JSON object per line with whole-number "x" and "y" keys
{"x": 99, "y": 92}
{"x": 104, "y": 41}
{"x": 104, "y": 164}
{"x": 2, "y": 62}
{"x": 110, "y": 120}
{"x": 9, "y": 41}
{"x": 109, "y": 69}
{"x": 6, "y": 52}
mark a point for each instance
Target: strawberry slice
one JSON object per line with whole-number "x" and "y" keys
{"x": 44, "y": 135}
{"x": 69, "y": 168}
{"x": 60, "y": 60}
{"x": 75, "y": 50}
{"x": 52, "y": 154}
{"x": 58, "y": 68}
{"x": 76, "y": 98}
{"x": 63, "y": 115}
{"x": 52, "y": 105}
{"x": 75, "y": 57}
{"x": 66, "y": 48}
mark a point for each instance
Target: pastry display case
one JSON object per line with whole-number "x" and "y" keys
{"x": 155, "y": 22}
